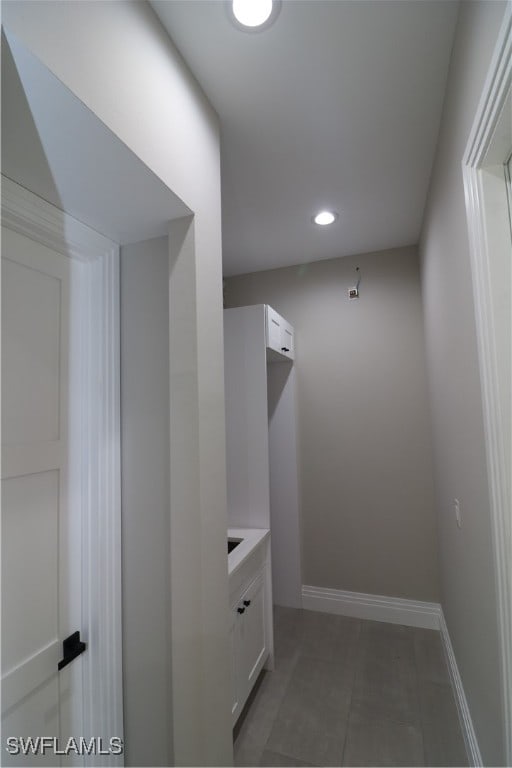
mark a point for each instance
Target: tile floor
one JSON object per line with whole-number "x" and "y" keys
{"x": 349, "y": 692}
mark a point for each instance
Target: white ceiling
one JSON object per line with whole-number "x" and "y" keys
{"x": 337, "y": 105}
{"x": 57, "y": 148}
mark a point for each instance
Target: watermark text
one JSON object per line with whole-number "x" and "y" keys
{"x": 42, "y": 745}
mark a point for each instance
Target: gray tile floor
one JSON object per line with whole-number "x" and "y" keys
{"x": 351, "y": 692}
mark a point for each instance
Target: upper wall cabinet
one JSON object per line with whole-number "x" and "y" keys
{"x": 279, "y": 336}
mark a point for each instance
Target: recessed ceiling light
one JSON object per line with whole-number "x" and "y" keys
{"x": 254, "y": 15}
{"x": 325, "y": 217}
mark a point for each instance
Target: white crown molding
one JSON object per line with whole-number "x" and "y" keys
{"x": 480, "y": 153}
{"x": 32, "y": 216}
{"x": 395, "y": 610}
{"x": 466, "y": 722}
{"x": 493, "y": 96}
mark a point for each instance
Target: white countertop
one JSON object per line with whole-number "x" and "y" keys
{"x": 251, "y": 537}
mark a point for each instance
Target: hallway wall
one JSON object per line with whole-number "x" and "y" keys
{"x": 115, "y": 56}
{"x": 466, "y": 557}
{"x": 365, "y": 466}
{"x": 144, "y": 300}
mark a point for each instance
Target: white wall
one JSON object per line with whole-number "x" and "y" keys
{"x": 466, "y": 558}
{"x": 118, "y": 60}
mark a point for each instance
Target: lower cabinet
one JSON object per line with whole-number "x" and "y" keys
{"x": 249, "y": 643}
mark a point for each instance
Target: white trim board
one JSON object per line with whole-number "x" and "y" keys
{"x": 483, "y": 168}
{"x": 32, "y": 216}
{"x": 394, "y": 610}
{"x": 411, "y": 613}
{"x": 466, "y": 723}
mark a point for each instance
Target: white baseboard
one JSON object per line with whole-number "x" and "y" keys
{"x": 466, "y": 723}
{"x": 395, "y": 610}
{"x": 411, "y": 613}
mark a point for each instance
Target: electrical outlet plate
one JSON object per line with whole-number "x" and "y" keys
{"x": 353, "y": 293}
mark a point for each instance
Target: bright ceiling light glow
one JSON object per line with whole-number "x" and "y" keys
{"x": 325, "y": 217}
{"x": 252, "y": 13}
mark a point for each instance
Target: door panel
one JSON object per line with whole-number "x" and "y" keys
{"x": 31, "y": 346}
{"x": 33, "y": 716}
{"x": 40, "y": 529}
{"x": 29, "y": 565}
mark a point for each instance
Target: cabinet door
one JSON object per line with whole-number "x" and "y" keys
{"x": 279, "y": 336}
{"x": 234, "y": 642}
{"x": 253, "y": 646}
{"x": 274, "y": 330}
{"x": 287, "y": 340}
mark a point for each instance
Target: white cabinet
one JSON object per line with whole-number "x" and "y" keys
{"x": 249, "y": 642}
{"x": 279, "y": 335}
{"x": 261, "y": 438}
{"x": 234, "y": 640}
{"x": 250, "y": 630}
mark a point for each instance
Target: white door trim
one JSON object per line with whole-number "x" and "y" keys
{"x": 480, "y": 148}
{"x": 97, "y": 296}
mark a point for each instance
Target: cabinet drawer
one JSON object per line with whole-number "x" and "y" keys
{"x": 240, "y": 580}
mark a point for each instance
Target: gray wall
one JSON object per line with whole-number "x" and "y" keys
{"x": 364, "y": 439}
{"x": 145, "y": 501}
{"x": 467, "y": 578}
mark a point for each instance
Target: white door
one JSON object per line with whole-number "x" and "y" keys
{"x": 41, "y": 552}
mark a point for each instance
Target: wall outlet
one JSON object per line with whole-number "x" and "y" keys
{"x": 353, "y": 293}
{"x": 458, "y": 513}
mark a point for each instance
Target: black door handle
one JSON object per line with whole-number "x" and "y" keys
{"x": 284, "y": 349}
{"x": 72, "y": 647}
